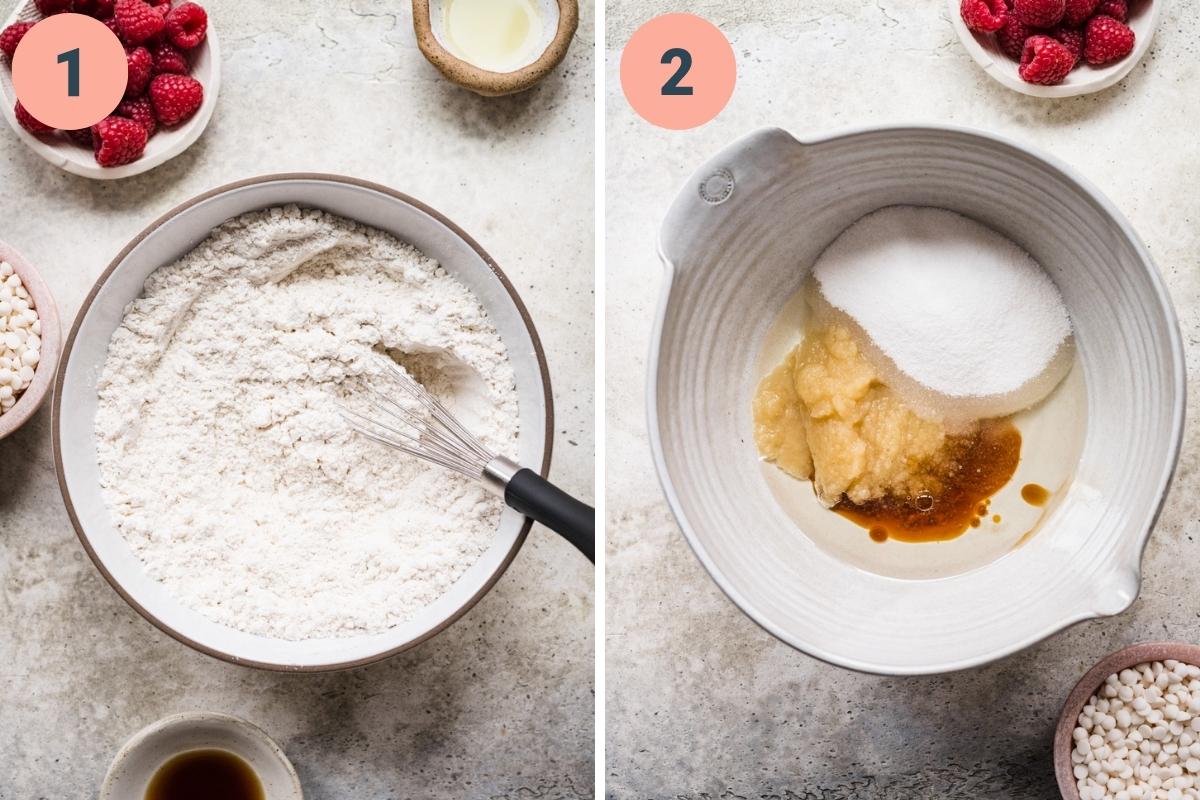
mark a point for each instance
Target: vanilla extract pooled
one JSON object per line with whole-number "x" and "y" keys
{"x": 978, "y": 466}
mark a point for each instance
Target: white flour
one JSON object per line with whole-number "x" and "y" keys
{"x": 224, "y": 458}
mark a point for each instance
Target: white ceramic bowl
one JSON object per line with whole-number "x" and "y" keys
{"x": 140, "y": 757}
{"x": 170, "y": 237}
{"x": 43, "y": 377}
{"x": 162, "y": 147}
{"x": 1084, "y": 79}
{"x": 738, "y": 242}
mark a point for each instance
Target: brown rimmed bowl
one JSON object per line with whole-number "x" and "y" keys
{"x": 29, "y": 401}
{"x": 173, "y": 235}
{"x": 1091, "y": 681}
{"x": 427, "y": 25}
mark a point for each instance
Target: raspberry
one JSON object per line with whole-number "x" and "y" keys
{"x": 1071, "y": 39}
{"x": 12, "y": 36}
{"x": 118, "y": 141}
{"x": 1040, "y": 13}
{"x": 1117, "y": 9}
{"x": 30, "y": 122}
{"x": 111, "y": 22}
{"x": 48, "y": 7}
{"x": 137, "y": 21}
{"x": 140, "y": 111}
{"x": 100, "y": 9}
{"x": 1079, "y": 12}
{"x": 141, "y": 64}
{"x": 1045, "y": 60}
{"x": 1106, "y": 40}
{"x": 1012, "y": 36}
{"x": 984, "y": 16}
{"x": 186, "y": 25}
{"x": 175, "y": 97}
{"x": 83, "y": 137}
{"x": 168, "y": 59}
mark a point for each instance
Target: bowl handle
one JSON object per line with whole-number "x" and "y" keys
{"x": 722, "y": 191}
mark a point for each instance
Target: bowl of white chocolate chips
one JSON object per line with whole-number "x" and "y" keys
{"x": 29, "y": 340}
{"x": 1130, "y": 729}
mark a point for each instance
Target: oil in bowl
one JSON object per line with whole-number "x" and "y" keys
{"x": 203, "y": 775}
{"x": 496, "y": 35}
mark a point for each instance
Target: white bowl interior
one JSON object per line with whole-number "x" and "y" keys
{"x": 165, "y": 244}
{"x": 1084, "y": 79}
{"x": 140, "y": 758}
{"x": 735, "y": 262}
{"x": 162, "y": 147}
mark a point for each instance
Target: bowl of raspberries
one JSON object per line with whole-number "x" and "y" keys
{"x": 1056, "y": 48}
{"x": 174, "y": 77}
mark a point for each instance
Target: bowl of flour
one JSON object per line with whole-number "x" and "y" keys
{"x": 740, "y": 243}
{"x": 198, "y": 436}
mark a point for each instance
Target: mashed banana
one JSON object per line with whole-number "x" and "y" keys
{"x": 824, "y": 414}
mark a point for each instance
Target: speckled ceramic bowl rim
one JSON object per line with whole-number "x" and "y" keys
{"x": 1090, "y": 683}
{"x": 476, "y": 79}
{"x": 154, "y": 729}
{"x": 32, "y": 398}
{"x": 1177, "y": 409}
{"x": 538, "y": 350}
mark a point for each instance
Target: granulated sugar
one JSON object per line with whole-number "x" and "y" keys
{"x": 224, "y": 458}
{"x": 954, "y": 305}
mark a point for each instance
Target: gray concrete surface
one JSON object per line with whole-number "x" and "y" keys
{"x": 501, "y": 704}
{"x": 701, "y": 702}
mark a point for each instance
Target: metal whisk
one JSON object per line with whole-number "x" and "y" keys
{"x": 432, "y": 433}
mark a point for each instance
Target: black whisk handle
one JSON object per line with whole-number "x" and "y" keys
{"x": 537, "y": 498}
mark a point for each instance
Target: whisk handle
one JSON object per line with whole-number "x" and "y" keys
{"x": 537, "y": 498}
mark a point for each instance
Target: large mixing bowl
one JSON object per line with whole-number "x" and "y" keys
{"x": 738, "y": 242}
{"x": 175, "y": 234}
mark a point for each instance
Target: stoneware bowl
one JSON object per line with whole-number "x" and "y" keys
{"x": 737, "y": 244}
{"x": 1084, "y": 79}
{"x": 559, "y": 20}
{"x": 1092, "y": 680}
{"x": 162, "y": 147}
{"x": 140, "y": 757}
{"x": 43, "y": 377}
{"x": 163, "y": 242}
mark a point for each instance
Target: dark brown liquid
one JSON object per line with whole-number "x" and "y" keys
{"x": 980, "y": 464}
{"x": 205, "y": 775}
{"x": 1034, "y": 495}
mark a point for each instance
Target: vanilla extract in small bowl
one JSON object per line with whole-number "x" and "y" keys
{"x": 205, "y": 774}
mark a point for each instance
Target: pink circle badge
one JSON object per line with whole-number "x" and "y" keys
{"x": 70, "y": 71}
{"x": 678, "y": 71}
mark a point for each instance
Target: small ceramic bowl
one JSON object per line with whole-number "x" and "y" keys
{"x": 175, "y": 234}
{"x": 142, "y": 756}
{"x": 738, "y": 243}
{"x": 1092, "y": 680}
{"x": 43, "y": 377}
{"x": 561, "y": 17}
{"x": 162, "y": 147}
{"x": 1144, "y": 16}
